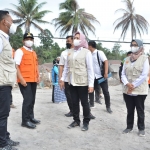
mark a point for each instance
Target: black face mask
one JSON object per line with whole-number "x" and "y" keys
{"x": 57, "y": 61}
{"x": 68, "y": 45}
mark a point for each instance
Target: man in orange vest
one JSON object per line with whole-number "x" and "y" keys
{"x": 28, "y": 77}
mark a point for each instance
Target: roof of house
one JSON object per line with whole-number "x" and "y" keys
{"x": 46, "y": 66}
{"x": 111, "y": 62}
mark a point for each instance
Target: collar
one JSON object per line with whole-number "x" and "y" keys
{"x": 4, "y": 34}
{"x": 29, "y": 49}
{"x": 95, "y": 51}
{"x": 133, "y": 60}
{"x": 78, "y": 49}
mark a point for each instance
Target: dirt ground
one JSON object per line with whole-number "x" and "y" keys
{"x": 105, "y": 132}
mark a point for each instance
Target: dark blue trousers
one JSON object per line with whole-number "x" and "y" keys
{"x": 5, "y": 97}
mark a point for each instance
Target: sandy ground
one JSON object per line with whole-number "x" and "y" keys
{"x": 105, "y": 132}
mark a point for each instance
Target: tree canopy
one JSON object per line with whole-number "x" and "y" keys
{"x": 136, "y": 22}
{"x": 74, "y": 18}
{"x": 28, "y": 13}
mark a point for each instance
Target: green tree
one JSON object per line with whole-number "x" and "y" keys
{"x": 116, "y": 51}
{"x": 47, "y": 51}
{"x": 28, "y": 13}
{"x": 136, "y": 22}
{"x": 115, "y": 54}
{"x": 16, "y": 39}
{"x": 73, "y": 19}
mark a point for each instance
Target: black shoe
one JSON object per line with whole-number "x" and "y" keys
{"x": 85, "y": 127}
{"x": 35, "y": 121}
{"x": 69, "y": 114}
{"x": 8, "y": 147}
{"x": 141, "y": 133}
{"x": 126, "y": 131}
{"x": 92, "y": 117}
{"x": 73, "y": 124}
{"x": 28, "y": 125}
{"x": 109, "y": 110}
{"x": 12, "y": 143}
{"x": 100, "y": 97}
{"x": 98, "y": 101}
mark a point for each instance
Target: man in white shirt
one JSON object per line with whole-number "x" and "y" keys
{"x": 28, "y": 77}
{"x": 63, "y": 59}
{"x": 7, "y": 66}
{"x": 104, "y": 85}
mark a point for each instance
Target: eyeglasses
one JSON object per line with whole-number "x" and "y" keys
{"x": 134, "y": 45}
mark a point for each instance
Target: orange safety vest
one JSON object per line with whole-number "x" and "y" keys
{"x": 28, "y": 66}
{"x": 149, "y": 81}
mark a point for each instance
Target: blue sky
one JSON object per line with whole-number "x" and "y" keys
{"x": 103, "y": 10}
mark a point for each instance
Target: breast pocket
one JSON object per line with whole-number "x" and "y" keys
{"x": 80, "y": 63}
{"x": 10, "y": 77}
{"x": 137, "y": 71}
{"x": 80, "y": 78}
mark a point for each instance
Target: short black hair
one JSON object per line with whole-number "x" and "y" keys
{"x": 128, "y": 53}
{"x": 54, "y": 61}
{"x": 69, "y": 36}
{"x": 92, "y": 43}
{"x": 3, "y": 13}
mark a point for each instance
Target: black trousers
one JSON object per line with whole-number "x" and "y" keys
{"x": 5, "y": 96}
{"x": 68, "y": 95}
{"x": 28, "y": 93}
{"x": 104, "y": 87}
{"x": 80, "y": 93}
{"x": 137, "y": 102}
{"x": 11, "y": 100}
{"x": 97, "y": 93}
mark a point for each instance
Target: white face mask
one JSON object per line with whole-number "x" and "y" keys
{"x": 77, "y": 42}
{"x": 134, "y": 49}
{"x": 28, "y": 43}
{"x": 12, "y": 28}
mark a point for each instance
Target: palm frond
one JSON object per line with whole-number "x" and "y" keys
{"x": 17, "y": 21}
{"x": 17, "y": 14}
{"x": 40, "y": 21}
{"x": 28, "y": 11}
{"x": 138, "y": 23}
{"x": 73, "y": 19}
{"x": 20, "y": 25}
{"x": 37, "y": 26}
{"x": 38, "y": 7}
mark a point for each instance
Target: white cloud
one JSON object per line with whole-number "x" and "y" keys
{"x": 103, "y": 10}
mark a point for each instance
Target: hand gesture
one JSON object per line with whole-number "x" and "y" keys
{"x": 91, "y": 89}
{"x": 23, "y": 82}
{"x": 61, "y": 84}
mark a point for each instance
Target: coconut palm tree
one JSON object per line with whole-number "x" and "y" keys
{"x": 74, "y": 18}
{"x": 136, "y": 22}
{"x": 28, "y": 13}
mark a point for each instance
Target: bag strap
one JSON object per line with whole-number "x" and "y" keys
{"x": 98, "y": 60}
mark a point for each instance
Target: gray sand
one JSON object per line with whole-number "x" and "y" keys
{"x": 105, "y": 132}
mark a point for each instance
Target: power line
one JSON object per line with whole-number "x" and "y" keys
{"x": 109, "y": 41}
